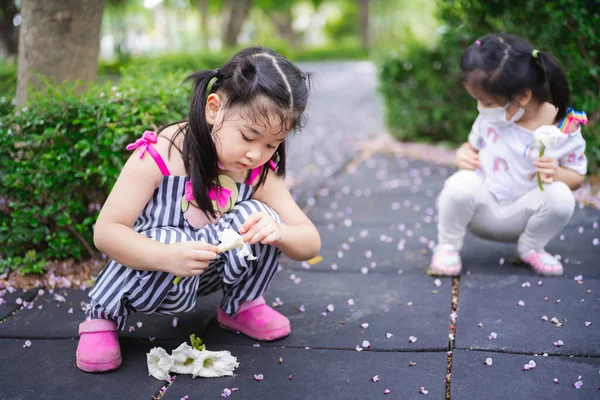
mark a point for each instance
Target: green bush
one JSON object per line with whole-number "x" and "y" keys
{"x": 425, "y": 102}
{"x": 61, "y": 154}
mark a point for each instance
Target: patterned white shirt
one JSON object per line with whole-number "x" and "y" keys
{"x": 506, "y": 156}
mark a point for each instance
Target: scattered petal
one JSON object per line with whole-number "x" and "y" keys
{"x": 330, "y": 308}
{"x": 375, "y": 378}
{"x": 412, "y": 363}
{"x": 258, "y": 377}
{"x": 488, "y": 361}
{"x": 578, "y": 384}
{"x": 521, "y": 303}
{"x": 558, "y": 343}
{"x": 366, "y": 344}
{"x": 27, "y": 344}
{"x": 587, "y": 323}
{"x": 555, "y": 380}
{"x": 412, "y": 339}
{"x": 386, "y": 391}
{"x": 423, "y": 390}
{"x": 493, "y": 335}
{"x": 389, "y": 335}
{"x": 364, "y": 325}
{"x": 437, "y": 283}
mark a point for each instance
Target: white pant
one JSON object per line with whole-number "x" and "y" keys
{"x": 531, "y": 220}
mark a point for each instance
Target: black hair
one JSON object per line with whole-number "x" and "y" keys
{"x": 505, "y": 66}
{"x": 262, "y": 84}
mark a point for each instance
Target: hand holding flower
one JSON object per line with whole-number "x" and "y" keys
{"x": 546, "y": 136}
{"x": 261, "y": 227}
{"x": 546, "y": 169}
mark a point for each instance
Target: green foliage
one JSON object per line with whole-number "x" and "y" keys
{"x": 424, "y": 101}
{"x": 8, "y": 86}
{"x": 347, "y": 22}
{"x": 61, "y": 154}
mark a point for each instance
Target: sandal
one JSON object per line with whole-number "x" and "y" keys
{"x": 257, "y": 320}
{"x": 445, "y": 261}
{"x": 543, "y": 263}
{"x": 98, "y": 349}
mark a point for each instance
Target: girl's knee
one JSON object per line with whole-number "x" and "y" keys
{"x": 462, "y": 187}
{"x": 248, "y": 207}
{"x": 559, "y": 199}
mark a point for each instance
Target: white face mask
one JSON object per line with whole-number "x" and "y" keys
{"x": 497, "y": 115}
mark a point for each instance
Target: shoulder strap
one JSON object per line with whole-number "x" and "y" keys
{"x": 257, "y": 171}
{"x": 577, "y": 117}
{"x": 146, "y": 144}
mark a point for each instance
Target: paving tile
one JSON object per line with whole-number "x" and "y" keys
{"x": 380, "y": 249}
{"x": 47, "y": 371}
{"x": 505, "y": 379}
{"x": 320, "y": 374}
{"x": 575, "y": 246}
{"x": 54, "y": 320}
{"x": 493, "y": 301}
{"x": 10, "y": 302}
{"x": 381, "y": 301}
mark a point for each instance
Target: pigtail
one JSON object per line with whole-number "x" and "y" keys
{"x": 199, "y": 152}
{"x": 558, "y": 85}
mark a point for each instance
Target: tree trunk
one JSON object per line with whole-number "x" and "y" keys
{"x": 363, "y": 7}
{"x": 203, "y": 7}
{"x": 9, "y": 33}
{"x": 237, "y": 11}
{"x": 58, "y": 39}
{"x": 283, "y": 21}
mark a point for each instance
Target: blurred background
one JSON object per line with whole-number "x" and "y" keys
{"x": 81, "y": 78}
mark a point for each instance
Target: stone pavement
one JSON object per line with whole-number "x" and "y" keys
{"x": 377, "y": 221}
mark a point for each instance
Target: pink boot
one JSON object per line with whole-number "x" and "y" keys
{"x": 445, "y": 261}
{"x": 543, "y": 263}
{"x": 257, "y": 320}
{"x": 98, "y": 349}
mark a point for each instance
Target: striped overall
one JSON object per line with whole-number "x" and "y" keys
{"x": 120, "y": 291}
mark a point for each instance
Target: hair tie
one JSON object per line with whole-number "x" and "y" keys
{"x": 535, "y": 53}
{"x": 216, "y": 72}
{"x": 478, "y": 43}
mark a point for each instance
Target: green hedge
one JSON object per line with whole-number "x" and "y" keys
{"x": 61, "y": 154}
{"x": 424, "y": 100}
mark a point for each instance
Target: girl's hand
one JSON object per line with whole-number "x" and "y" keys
{"x": 467, "y": 157}
{"x": 261, "y": 227}
{"x": 546, "y": 167}
{"x": 189, "y": 258}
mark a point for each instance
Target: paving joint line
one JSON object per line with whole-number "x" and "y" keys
{"x": 451, "y": 334}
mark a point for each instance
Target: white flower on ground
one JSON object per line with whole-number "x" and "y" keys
{"x": 215, "y": 364}
{"x": 159, "y": 363}
{"x": 186, "y": 359}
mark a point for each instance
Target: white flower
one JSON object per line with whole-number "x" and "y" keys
{"x": 186, "y": 359}
{"x": 230, "y": 240}
{"x": 215, "y": 364}
{"x": 547, "y": 135}
{"x": 159, "y": 363}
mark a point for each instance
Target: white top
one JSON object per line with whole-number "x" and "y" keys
{"x": 506, "y": 156}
